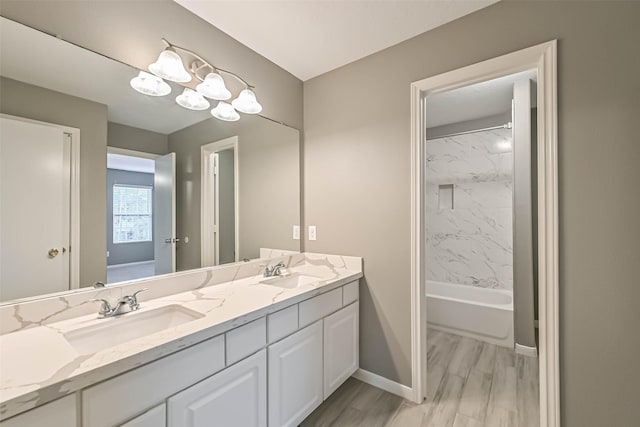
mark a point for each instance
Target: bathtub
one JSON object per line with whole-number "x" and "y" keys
{"x": 480, "y": 313}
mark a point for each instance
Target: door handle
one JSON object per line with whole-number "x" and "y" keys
{"x": 173, "y": 240}
{"x": 53, "y": 253}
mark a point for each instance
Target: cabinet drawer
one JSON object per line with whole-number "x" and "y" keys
{"x": 318, "y": 307}
{"x": 118, "y": 399}
{"x": 61, "y": 412}
{"x": 282, "y": 323}
{"x": 350, "y": 293}
{"x": 156, "y": 417}
{"x": 246, "y": 340}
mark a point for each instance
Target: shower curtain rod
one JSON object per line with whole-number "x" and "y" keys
{"x": 504, "y": 126}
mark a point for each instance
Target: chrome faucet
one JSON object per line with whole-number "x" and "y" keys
{"x": 107, "y": 311}
{"x": 275, "y": 270}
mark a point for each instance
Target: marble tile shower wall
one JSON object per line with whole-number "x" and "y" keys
{"x": 471, "y": 241}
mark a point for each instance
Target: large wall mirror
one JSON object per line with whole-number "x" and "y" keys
{"x": 100, "y": 183}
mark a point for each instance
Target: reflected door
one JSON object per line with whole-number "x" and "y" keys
{"x": 34, "y": 209}
{"x": 164, "y": 214}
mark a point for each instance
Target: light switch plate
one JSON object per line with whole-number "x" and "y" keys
{"x": 312, "y": 232}
{"x": 296, "y": 232}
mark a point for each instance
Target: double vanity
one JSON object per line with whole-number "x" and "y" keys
{"x": 222, "y": 343}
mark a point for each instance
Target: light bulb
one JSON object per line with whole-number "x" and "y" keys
{"x": 149, "y": 84}
{"x": 224, "y": 111}
{"x": 246, "y": 102}
{"x": 213, "y": 87}
{"x": 169, "y": 66}
{"x": 192, "y": 100}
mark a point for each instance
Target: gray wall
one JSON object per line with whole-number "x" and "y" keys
{"x": 33, "y": 102}
{"x": 357, "y": 186}
{"x": 268, "y": 184}
{"x": 131, "y": 32}
{"x": 131, "y": 138}
{"x": 123, "y": 253}
{"x": 226, "y": 219}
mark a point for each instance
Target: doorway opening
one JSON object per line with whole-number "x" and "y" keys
{"x": 140, "y": 218}
{"x": 220, "y": 202}
{"x": 464, "y": 172}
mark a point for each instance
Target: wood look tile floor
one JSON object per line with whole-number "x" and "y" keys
{"x": 471, "y": 384}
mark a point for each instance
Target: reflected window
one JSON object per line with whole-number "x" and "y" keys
{"x": 132, "y": 214}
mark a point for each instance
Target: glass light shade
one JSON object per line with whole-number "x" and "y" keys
{"x": 169, "y": 66}
{"x": 213, "y": 87}
{"x": 246, "y": 102}
{"x": 150, "y": 85}
{"x": 192, "y": 100}
{"x": 224, "y": 111}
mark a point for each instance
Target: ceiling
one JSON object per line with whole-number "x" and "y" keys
{"x": 475, "y": 101}
{"x": 130, "y": 163}
{"x": 312, "y": 37}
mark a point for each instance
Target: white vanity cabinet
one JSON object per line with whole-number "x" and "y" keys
{"x": 295, "y": 376}
{"x": 156, "y": 417}
{"x": 61, "y": 412}
{"x": 341, "y": 355}
{"x": 274, "y": 370}
{"x": 235, "y": 397}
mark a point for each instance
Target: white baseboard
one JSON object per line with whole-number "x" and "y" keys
{"x": 526, "y": 351}
{"x": 384, "y": 384}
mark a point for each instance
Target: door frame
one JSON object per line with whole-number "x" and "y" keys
{"x": 206, "y": 219}
{"x": 74, "y": 195}
{"x": 543, "y": 58}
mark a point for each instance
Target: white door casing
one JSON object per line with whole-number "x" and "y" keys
{"x": 164, "y": 214}
{"x": 39, "y": 208}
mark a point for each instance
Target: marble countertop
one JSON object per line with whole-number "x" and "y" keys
{"x": 38, "y": 364}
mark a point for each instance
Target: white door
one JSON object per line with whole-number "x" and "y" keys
{"x": 341, "y": 358}
{"x": 34, "y": 209}
{"x": 295, "y": 376}
{"x": 235, "y": 397}
{"x": 164, "y": 214}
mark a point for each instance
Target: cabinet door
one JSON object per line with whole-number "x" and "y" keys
{"x": 156, "y": 417}
{"x": 234, "y": 397}
{"x": 341, "y": 356}
{"x": 295, "y": 376}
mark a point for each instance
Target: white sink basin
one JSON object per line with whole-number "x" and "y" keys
{"x": 110, "y": 332}
{"x": 289, "y": 282}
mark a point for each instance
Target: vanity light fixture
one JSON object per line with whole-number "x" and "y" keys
{"x": 213, "y": 87}
{"x": 224, "y": 111}
{"x": 192, "y": 100}
{"x": 170, "y": 66}
{"x": 150, "y": 85}
{"x": 246, "y": 102}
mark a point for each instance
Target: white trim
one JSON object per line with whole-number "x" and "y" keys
{"x": 129, "y": 264}
{"x": 543, "y": 58}
{"x": 526, "y": 350}
{"x": 205, "y": 151}
{"x": 384, "y": 383}
{"x": 74, "y": 221}
{"x": 132, "y": 153}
